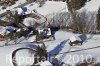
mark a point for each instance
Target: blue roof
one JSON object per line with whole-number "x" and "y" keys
{"x": 24, "y": 9}
{"x": 11, "y": 28}
{"x": 82, "y": 37}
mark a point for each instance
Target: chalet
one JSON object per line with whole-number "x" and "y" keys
{"x": 4, "y": 31}
{"x": 24, "y": 12}
{"x": 45, "y": 31}
{"x": 77, "y": 39}
{"x": 11, "y": 28}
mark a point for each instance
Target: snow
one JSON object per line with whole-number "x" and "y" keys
{"x": 91, "y": 6}
{"x": 7, "y": 29}
{"x": 50, "y": 45}
{"x": 6, "y": 53}
{"x": 23, "y": 11}
{"x": 29, "y": 21}
{"x": 62, "y": 35}
{"x": 31, "y": 39}
{"x": 51, "y": 7}
{"x": 22, "y": 55}
{"x": 47, "y": 32}
{"x": 57, "y": 46}
{"x": 3, "y": 30}
{"x": 19, "y": 2}
{"x": 20, "y": 11}
{"x": 75, "y": 38}
{"x": 41, "y": 20}
{"x": 11, "y": 28}
{"x": 22, "y": 58}
{"x": 46, "y": 63}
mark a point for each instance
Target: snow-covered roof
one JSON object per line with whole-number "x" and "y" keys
{"x": 46, "y": 63}
{"x": 42, "y": 30}
{"x": 23, "y": 11}
{"x": 19, "y": 11}
{"x": 75, "y": 38}
{"x": 3, "y": 30}
{"x": 7, "y": 29}
{"x": 11, "y": 28}
{"x": 41, "y": 20}
{"x": 82, "y": 37}
{"x": 29, "y": 21}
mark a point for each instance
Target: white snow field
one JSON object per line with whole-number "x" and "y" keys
{"x": 71, "y": 58}
{"x": 50, "y": 45}
{"x": 92, "y": 5}
{"x": 63, "y": 35}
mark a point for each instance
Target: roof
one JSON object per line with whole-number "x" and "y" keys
{"x": 24, "y": 9}
{"x": 3, "y": 30}
{"x": 43, "y": 30}
{"x": 29, "y": 21}
{"x": 75, "y": 38}
{"x": 11, "y": 28}
{"x": 20, "y": 11}
{"x": 82, "y": 37}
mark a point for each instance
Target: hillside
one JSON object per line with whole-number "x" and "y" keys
{"x": 45, "y": 32}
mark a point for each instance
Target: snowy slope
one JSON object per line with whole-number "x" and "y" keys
{"x": 19, "y": 2}
{"x": 50, "y": 45}
{"x": 49, "y": 7}
{"x": 6, "y": 52}
{"x": 60, "y": 36}
{"x": 92, "y": 5}
{"x": 52, "y": 7}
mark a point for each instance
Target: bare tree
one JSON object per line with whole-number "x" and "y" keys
{"x": 58, "y": 19}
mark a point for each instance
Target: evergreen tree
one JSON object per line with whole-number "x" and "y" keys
{"x": 98, "y": 19}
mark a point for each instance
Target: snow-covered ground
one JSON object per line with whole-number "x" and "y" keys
{"x": 50, "y": 45}
{"x": 92, "y": 5}
{"x": 19, "y": 2}
{"x": 6, "y": 52}
{"x": 63, "y": 35}
{"x": 48, "y": 8}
